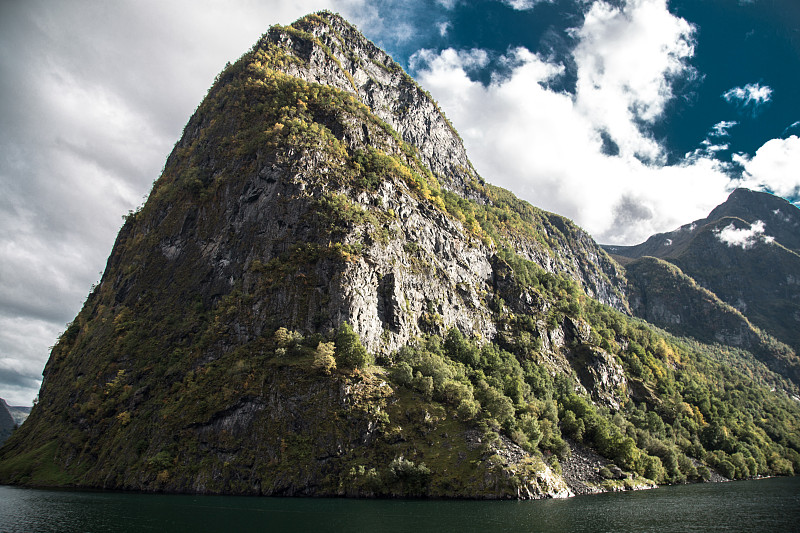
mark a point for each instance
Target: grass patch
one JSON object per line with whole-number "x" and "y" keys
{"x": 36, "y": 467}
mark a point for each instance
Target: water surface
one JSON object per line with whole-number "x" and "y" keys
{"x": 762, "y": 505}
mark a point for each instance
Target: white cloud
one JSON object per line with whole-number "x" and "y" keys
{"x": 775, "y": 167}
{"x": 780, "y": 215}
{"x": 752, "y": 96}
{"x": 792, "y": 126}
{"x": 394, "y": 30}
{"x": 451, "y": 60}
{"x": 711, "y": 145}
{"x": 444, "y": 27}
{"x": 744, "y": 238}
{"x": 20, "y": 377}
{"x": 720, "y": 129}
{"x": 523, "y": 5}
{"x": 712, "y": 148}
{"x": 627, "y": 57}
{"x": 548, "y": 146}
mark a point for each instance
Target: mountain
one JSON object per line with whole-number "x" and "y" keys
{"x": 781, "y": 219}
{"x": 10, "y": 417}
{"x": 322, "y": 297}
{"x": 18, "y": 412}
{"x": 747, "y": 253}
{"x": 7, "y": 422}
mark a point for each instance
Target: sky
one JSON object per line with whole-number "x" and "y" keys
{"x": 630, "y": 117}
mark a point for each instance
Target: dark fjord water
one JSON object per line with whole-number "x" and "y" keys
{"x": 771, "y": 505}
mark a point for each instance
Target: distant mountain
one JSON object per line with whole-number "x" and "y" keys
{"x": 659, "y": 292}
{"x": 746, "y": 252}
{"x": 781, "y": 221}
{"x": 321, "y": 297}
{"x": 19, "y": 412}
{"x": 10, "y": 417}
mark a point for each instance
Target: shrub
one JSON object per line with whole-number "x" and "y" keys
{"x": 323, "y": 357}
{"x": 423, "y": 384}
{"x": 530, "y": 426}
{"x": 498, "y": 406}
{"x": 727, "y": 469}
{"x": 413, "y": 477}
{"x": 652, "y": 468}
{"x": 403, "y": 374}
{"x": 454, "y": 392}
{"x": 468, "y": 409}
{"x": 350, "y": 353}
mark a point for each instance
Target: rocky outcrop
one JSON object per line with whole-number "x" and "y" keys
{"x": 601, "y": 375}
{"x": 531, "y": 477}
{"x": 587, "y": 472}
{"x": 428, "y": 279}
{"x": 573, "y": 252}
{"x": 332, "y": 52}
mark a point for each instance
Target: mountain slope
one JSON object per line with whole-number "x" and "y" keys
{"x": 662, "y": 294}
{"x": 18, "y": 412}
{"x": 746, "y": 253}
{"x": 665, "y": 296}
{"x": 321, "y": 297}
{"x": 321, "y": 49}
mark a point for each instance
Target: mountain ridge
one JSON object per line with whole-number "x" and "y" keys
{"x": 744, "y": 204}
{"x": 745, "y": 252}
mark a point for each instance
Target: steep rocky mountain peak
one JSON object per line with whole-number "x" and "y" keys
{"x": 332, "y": 52}
{"x": 321, "y": 297}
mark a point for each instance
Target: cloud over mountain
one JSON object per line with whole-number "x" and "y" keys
{"x": 775, "y": 167}
{"x": 744, "y": 238}
{"x": 577, "y": 154}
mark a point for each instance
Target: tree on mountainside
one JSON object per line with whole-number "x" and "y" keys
{"x": 350, "y": 353}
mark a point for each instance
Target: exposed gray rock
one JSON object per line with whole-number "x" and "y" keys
{"x": 18, "y": 412}
{"x": 341, "y": 57}
{"x": 601, "y": 375}
{"x": 344, "y": 59}
{"x": 7, "y": 422}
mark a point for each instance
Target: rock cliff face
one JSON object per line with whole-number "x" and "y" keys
{"x": 414, "y": 254}
{"x": 333, "y": 53}
{"x": 322, "y": 297}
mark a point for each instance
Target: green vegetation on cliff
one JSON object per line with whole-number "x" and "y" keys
{"x": 421, "y": 423}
